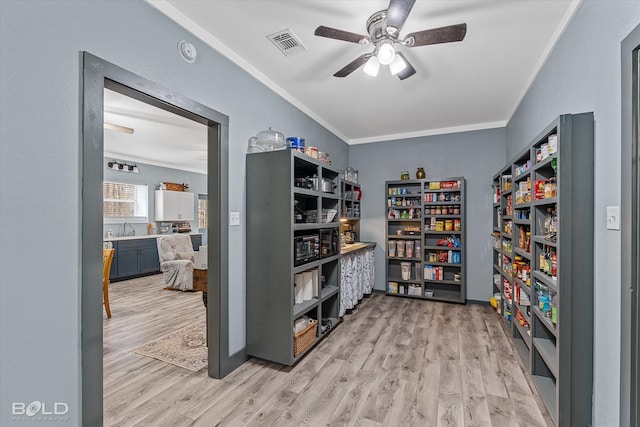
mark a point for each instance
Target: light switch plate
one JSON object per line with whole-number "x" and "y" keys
{"x": 613, "y": 217}
{"x": 234, "y": 218}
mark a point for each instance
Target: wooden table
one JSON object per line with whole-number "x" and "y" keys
{"x": 200, "y": 283}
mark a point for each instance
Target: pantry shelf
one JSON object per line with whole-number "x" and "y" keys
{"x": 288, "y": 263}
{"x": 542, "y": 240}
{"x": 546, "y": 322}
{"x": 314, "y": 264}
{"x": 525, "y": 336}
{"x": 524, "y": 313}
{"x": 300, "y": 309}
{"x": 443, "y": 232}
{"x": 549, "y": 201}
{"x": 404, "y": 236}
{"x": 443, "y": 248}
{"x": 443, "y": 221}
{"x": 522, "y": 253}
{"x": 521, "y": 346}
{"x": 306, "y": 192}
{"x": 545, "y": 163}
{"x": 328, "y": 292}
{"x": 546, "y": 280}
{"x": 522, "y": 176}
{"x": 404, "y": 259}
{"x": 442, "y": 264}
{"x": 547, "y": 350}
{"x": 400, "y": 280}
{"x": 440, "y": 203}
{"x": 444, "y": 282}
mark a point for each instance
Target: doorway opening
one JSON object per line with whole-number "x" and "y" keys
{"x": 630, "y": 235}
{"x": 99, "y": 75}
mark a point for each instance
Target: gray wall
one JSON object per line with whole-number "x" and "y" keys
{"x": 152, "y": 176}
{"x": 475, "y": 155}
{"x": 40, "y": 146}
{"x": 583, "y": 74}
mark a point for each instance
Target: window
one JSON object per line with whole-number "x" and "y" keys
{"x": 202, "y": 211}
{"x": 122, "y": 202}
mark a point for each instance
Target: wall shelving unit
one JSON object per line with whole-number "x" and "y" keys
{"x": 543, "y": 263}
{"x": 350, "y": 200}
{"x": 274, "y": 221}
{"x": 350, "y": 195}
{"x": 425, "y": 239}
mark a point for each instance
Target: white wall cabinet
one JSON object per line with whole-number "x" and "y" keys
{"x": 174, "y": 206}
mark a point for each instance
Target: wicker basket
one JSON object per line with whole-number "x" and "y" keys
{"x": 303, "y": 339}
{"x": 172, "y": 186}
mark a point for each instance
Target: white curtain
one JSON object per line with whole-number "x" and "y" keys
{"x": 356, "y": 277}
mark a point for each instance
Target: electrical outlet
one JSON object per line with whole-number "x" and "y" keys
{"x": 234, "y": 218}
{"x": 613, "y": 217}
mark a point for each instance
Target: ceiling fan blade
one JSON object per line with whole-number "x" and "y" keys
{"x": 346, "y": 36}
{"x": 397, "y": 13}
{"x": 353, "y": 65}
{"x": 451, "y": 33}
{"x": 408, "y": 71}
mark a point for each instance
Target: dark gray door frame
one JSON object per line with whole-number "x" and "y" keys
{"x": 630, "y": 233}
{"x": 97, "y": 75}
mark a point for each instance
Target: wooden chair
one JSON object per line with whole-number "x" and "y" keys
{"x": 107, "y": 258}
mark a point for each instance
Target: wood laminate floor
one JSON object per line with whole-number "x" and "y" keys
{"x": 392, "y": 362}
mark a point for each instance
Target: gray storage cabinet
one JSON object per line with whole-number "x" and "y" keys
{"x": 549, "y": 311}
{"x": 272, "y": 202}
{"x": 139, "y": 257}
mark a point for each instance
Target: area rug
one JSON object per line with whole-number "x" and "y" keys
{"x": 186, "y": 347}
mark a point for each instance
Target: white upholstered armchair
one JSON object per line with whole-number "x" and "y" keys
{"x": 176, "y": 261}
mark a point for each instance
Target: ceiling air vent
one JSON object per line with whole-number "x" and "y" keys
{"x": 287, "y": 42}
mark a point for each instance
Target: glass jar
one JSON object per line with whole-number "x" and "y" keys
{"x": 404, "y": 175}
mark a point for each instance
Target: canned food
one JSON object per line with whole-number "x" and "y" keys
{"x": 296, "y": 143}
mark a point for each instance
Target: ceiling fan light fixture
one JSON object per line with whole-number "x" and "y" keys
{"x": 397, "y": 65}
{"x": 386, "y": 53}
{"x": 372, "y": 66}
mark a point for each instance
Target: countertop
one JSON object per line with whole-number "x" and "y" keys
{"x": 356, "y": 246}
{"x": 142, "y": 236}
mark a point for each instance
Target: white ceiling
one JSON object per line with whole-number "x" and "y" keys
{"x": 469, "y": 85}
{"x": 159, "y": 138}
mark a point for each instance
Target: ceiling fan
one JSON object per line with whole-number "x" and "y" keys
{"x": 384, "y": 32}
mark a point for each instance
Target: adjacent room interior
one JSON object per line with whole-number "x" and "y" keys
{"x": 380, "y": 212}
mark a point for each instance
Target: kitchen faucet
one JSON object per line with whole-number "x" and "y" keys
{"x": 124, "y": 229}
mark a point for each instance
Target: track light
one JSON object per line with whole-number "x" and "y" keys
{"x": 122, "y": 167}
{"x": 372, "y": 66}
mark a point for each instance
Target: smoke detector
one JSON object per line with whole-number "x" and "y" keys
{"x": 187, "y": 51}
